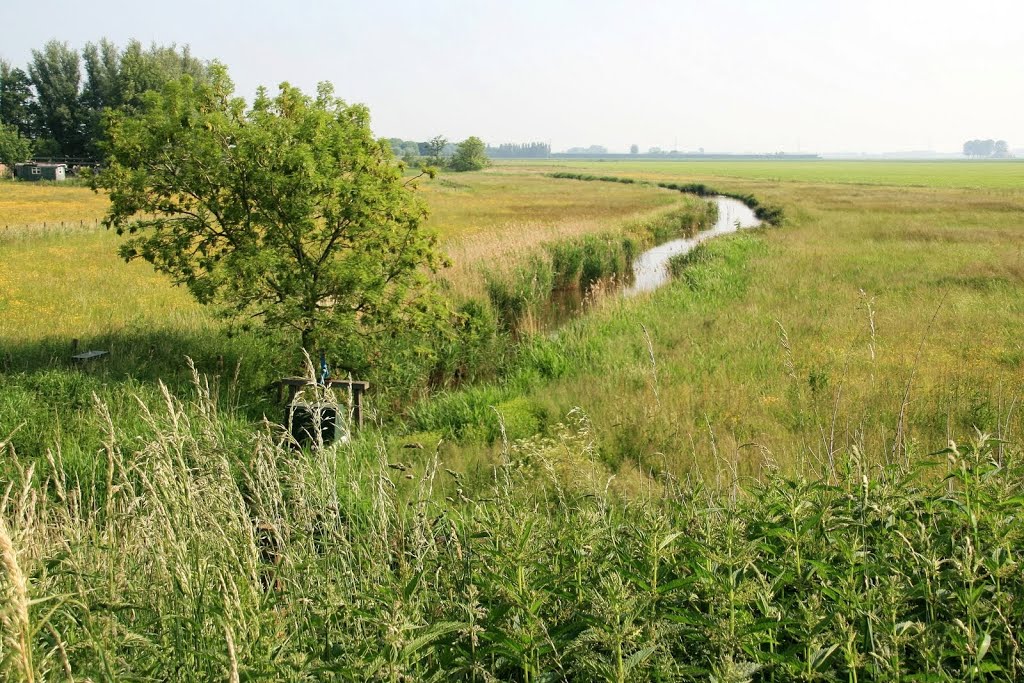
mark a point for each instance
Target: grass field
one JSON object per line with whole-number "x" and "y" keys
{"x": 742, "y": 475}
{"x": 68, "y": 282}
{"x": 882, "y": 318}
{"x": 886, "y": 276}
{"x": 981, "y": 175}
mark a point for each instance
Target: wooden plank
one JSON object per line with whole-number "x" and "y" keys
{"x": 88, "y": 355}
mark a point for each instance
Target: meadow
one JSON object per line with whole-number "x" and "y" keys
{"x": 799, "y": 460}
{"x": 882, "y": 319}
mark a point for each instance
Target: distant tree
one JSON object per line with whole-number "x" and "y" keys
{"x": 655, "y": 150}
{"x": 406, "y": 150}
{"x": 14, "y": 148}
{"x": 290, "y": 212}
{"x": 409, "y": 151}
{"x": 985, "y": 148}
{"x": 396, "y": 146}
{"x": 1001, "y": 150}
{"x": 102, "y": 75}
{"x": 102, "y": 90}
{"x": 595, "y": 150}
{"x": 634, "y": 149}
{"x": 61, "y": 113}
{"x": 470, "y": 155}
{"x": 16, "y": 99}
{"x": 56, "y": 76}
{"x": 435, "y": 150}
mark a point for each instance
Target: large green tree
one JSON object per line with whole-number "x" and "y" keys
{"x": 55, "y": 72}
{"x": 289, "y": 211}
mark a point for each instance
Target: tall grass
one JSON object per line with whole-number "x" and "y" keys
{"x": 549, "y": 286}
{"x": 208, "y": 554}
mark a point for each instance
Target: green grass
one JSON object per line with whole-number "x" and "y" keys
{"x": 885, "y": 319}
{"x": 208, "y": 552}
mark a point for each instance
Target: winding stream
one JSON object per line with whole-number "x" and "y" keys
{"x": 650, "y": 269}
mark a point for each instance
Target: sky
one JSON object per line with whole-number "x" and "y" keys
{"x": 740, "y": 76}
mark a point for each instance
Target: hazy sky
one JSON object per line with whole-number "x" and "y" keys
{"x": 732, "y": 75}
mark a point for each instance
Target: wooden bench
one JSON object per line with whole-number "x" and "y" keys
{"x": 356, "y": 387}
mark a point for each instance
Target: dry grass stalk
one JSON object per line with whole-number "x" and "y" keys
{"x": 15, "y": 618}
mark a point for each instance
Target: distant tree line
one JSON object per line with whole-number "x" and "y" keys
{"x": 56, "y": 103}
{"x": 468, "y": 155}
{"x": 987, "y": 149}
{"x": 515, "y": 150}
{"x": 434, "y": 151}
{"x": 593, "y": 149}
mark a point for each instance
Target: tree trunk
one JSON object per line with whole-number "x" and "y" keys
{"x": 309, "y": 340}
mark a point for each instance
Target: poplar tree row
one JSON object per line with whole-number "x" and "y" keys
{"x": 57, "y": 101}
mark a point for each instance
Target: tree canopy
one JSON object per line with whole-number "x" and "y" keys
{"x": 289, "y": 212}
{"x": 435, "y": 148}
{"x": 60, "y": 107}
{"x": 13, "y": 147}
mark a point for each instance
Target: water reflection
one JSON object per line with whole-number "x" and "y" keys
{"x": 650, "y": 269}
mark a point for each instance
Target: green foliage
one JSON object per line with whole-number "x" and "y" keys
{"x": 55, "y": 74}
{"x": 16, "y": 99}
{"x": 470, "y": 155}
{"x": 289, "y": 212}
{"x": 13, "y": 147}
{"x": 435, "y": 150}
{"x": 516, "y": 294}
{"x": 62, "y": 113}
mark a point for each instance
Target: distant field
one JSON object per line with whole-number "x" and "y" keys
{"x": 32, "y": 204}
{"x": 989, "y": 175}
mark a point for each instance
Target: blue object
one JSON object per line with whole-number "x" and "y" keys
{"x": 325, "y": 373}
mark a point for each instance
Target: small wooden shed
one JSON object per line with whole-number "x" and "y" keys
{"x": 35, "y": 170}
